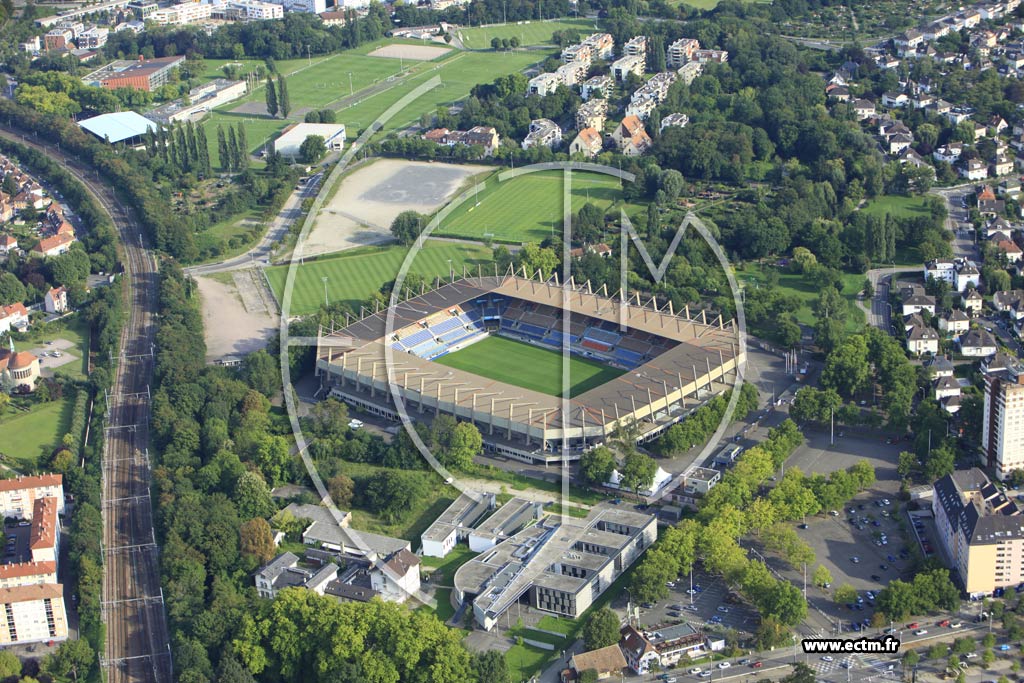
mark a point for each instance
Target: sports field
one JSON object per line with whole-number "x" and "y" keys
{"x": 527, "y": 208}
{"x": 529, "y": 33}
{"x": 354, "y": 276}
{"x": 527, "y": 366}
{"x": 376, "y": 84}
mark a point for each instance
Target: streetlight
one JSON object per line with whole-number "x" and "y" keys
{"x": 350, "y": 90}
{"x": 326, "y": 301}
{"x": 451, "y": 273}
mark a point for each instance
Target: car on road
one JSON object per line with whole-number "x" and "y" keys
{"x": 828, "y": 658}
{"x": 855, "y": 559}
{"x": 921, "y": 632}
{"x": 676, "y": 607}
{"x": 705, "y": 674}
{"x": 648, "y": 605}
{"x": 912, "y": 626}
{"x": 757, "y": 665}
{"x": 692, "y": 591}
{"x": 743, "y": 661}
{"x": 971, "y": 655}
{"x": 1004, "y": 648}
{"x": 803, "y": 526}
{"x": 956, "y": 624}
{"x": 723, "y": 608}
{"x": 724, "y": 665}
{"x": 944, "y": 623}
{"x": 695, "y": 670}
{"x": 692, "y": 608}
{"x": 876, "y": 577}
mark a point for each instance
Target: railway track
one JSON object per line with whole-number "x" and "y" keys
{"x": 138, "y": 642}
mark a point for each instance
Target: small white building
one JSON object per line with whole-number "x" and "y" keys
{"x": 56, "y": 300}
{"x": 293, "y": 136}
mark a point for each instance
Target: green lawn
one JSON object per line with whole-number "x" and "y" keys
{"x": 529, "y": 32}
{"x": 450, "y": 563}
{"x": 353, "y": 276}
{"x": 528, "y": 366}
{"x": 527, "y": 208}
{"x": 897, "y": 205}
{"x": 794, "y": 284}
{"x": 231, "y": 237}
{"x": 27, "y": 435}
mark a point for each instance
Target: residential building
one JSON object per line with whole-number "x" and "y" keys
{"x": 334, "y": 18}
{"x": 571, "y": 74}
{"x": 1002, "y": 165}
{"x": 55, "y": 300}
{"x": 940, "y": 367}
{"x": 864, "y": 109}
{"x": 972, "y": 301}
{"x": 606, "y": 661}
{"x": 980, "y": 530}
{"x": 946, "y": 387}
{"x": 630, "y": 64}
{"x": 33, "y": 614}
{"x": 711, "y": 56}
{"x": 284, "y": 572}
{"x": 54, "y": 246}
{"x": 630, "y": 137}
{"x": 895, "y": 99}
{"x": 8, "y": 243}
{"x": 582, "y": 54}
{"x": 588, "y": 143}
{"x": 635, "y": 46}
{"x": 555, "y": 567}
{"x": 662, "y": 647}
{"x": 543, "y": 132}
{"x": 1010, "y": 302}
{"x": 978, "y": 343}
{"x": 44, "y": 530}
{"x": 310, "y": 6}
{"x": 484, "y": 136}
{"x": 940, "y": 269}
{"x": 252, "y": 10}
{"x": 1009, "y": 249}
{"x": 689, "y": 72}
{"x": 18, "y": 371}
{"x": 695, "y": 485}
{"x": 13, "y": 316}
{"x": 950, "y": 153}
{"x": 922, "y": 339}
{"x": 143, "y": 74}
{"x": 641, "y": 108}
{"x": 455, "y": 523}
{"x": 601, "y": 45}
{"x": 592, "y": 114}
{"x": 967, "y": 276}
{"x": 681, "y": 52}
{"x": 1002, "y": 433}
{"x": 18, "y": 495}
{"x": 58, "y": 39}
{"x": 954, "y": 322}
{"x": 182, "y": 14}
{"x": 543, "y": 84}
{"x": 92, "y": 38}
{"x": 597, "y": 85}
{"x": 397, "y": 577}
{"x": 674, "y": 119}
{"x": 292, "y": 137}
{"x": 918, "y": 301}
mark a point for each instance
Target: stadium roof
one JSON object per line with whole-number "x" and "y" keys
{"x": 118, "y": 126}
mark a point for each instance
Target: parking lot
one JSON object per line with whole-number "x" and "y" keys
{"x": 16, "y": 548}
{"x": 709, "y": 607}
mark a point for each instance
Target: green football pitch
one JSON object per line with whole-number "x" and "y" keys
{"x": 528, "y": 208}
{"x": 528, "y": 366}
{"x": 353, "y": 276}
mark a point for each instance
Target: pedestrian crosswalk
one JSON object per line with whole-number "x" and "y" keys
{"x": 868, "y": 667}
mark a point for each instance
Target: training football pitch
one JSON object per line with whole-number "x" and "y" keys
{"x": 355, "y": 275}
{"x": 529, "y": 33}
{"x": 528, "y": 208}
{"x": 527, "y": 366}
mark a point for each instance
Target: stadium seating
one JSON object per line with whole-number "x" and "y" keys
{"x": 446, "y": 326}
{"x": 417, "y": 339}
{"x": 628, "y": 357}
{"x": 595, "y": 346}
{"x": 606, "y": 337}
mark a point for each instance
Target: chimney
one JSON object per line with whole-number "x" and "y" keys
{"x": 141, "y": 58}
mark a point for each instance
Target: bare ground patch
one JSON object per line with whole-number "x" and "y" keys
{"x": 369, "y": 198}
{"x": 235, "y": 323}
{"x": 417, "y": 52}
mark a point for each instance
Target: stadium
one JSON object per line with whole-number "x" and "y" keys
{"x": 491, "y": 350}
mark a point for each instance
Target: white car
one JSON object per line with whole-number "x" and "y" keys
{"x": 971, "y": 655}
{"x": 724, "y": 665}
{"x": 921, "y": 632}
{"x": 723, "y": 608}
{"x": 828, "y": 658}
{"x": 695, "y": 670}
{"x": 956, "y": 624}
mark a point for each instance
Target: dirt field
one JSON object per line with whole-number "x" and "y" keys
{"x": 368, "y": 199}
{"x": 413, "y": 52}
{"x": 236, "y": 318}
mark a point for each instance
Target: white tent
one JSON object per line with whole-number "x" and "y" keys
{"x": 661, "y": 478}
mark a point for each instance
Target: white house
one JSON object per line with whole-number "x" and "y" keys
{"x": 978, "y": 343}
{"x": 398, "y": 577}
{"x": 940, "y": 269}
{"x": 56, "y": 300}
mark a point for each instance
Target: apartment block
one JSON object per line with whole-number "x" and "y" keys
{"x": 980, "y": 530}
{"x": 32, "y": 614}
{"x": 18, "y": 495}
{"x": 601, "y": 45}
{"x": 630, "y": 64}
{"x": 1002, "y": 427}
{"x": 681, "y": 52}
{"x": 635, "y": 46}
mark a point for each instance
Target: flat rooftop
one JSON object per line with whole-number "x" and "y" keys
{"x": 462, "y": 513}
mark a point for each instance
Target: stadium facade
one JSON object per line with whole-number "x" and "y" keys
{"x": 672, "y": 362}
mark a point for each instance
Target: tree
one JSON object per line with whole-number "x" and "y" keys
{"x": 342, "y": 489}
{"x": 257, "y": 540}
{"x": 495, "y": 43}
{"x": 596, "y": 465}
{"x": 638, "y": 470}
{"x": 252, "y": 496}
{"x": 283, "y": 101}
{"x": 312, "y": 149}
{"x": 222, "y": 150}
{"x": 243, "y": 148}
{"x": 72, "y": 660}
{"x": 272, "y": 104}
{"x": 262, "y": 372}
{"x": 845, "y": 594}
{"x": 491, "y": 666}
{"x": 464, "y": 444}
{"x": 407, "y": 226}
{"x": 601, "y": 629}
{"x": 911, "y": 659}
{"x": 11, "y": 289}
{"x": 10, "y": 665}
{"x": 822, "y": 576}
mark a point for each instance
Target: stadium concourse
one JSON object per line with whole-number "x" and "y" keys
{"x": 667, "y": 364}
